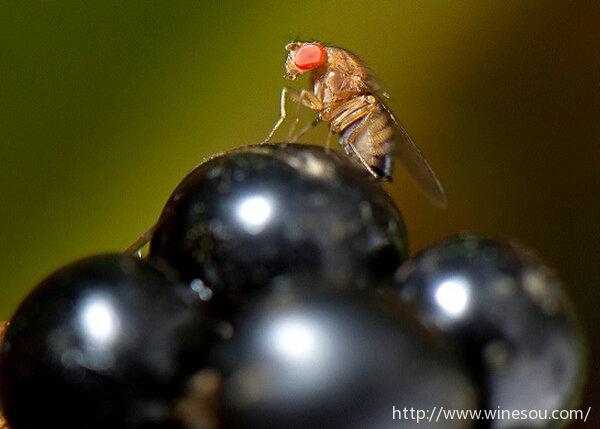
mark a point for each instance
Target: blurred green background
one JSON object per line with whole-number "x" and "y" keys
{"x": 105, "y": 106}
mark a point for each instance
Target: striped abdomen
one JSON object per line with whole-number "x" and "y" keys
{"x": 371, "y": 140}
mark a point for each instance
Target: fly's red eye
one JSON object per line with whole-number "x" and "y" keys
{"x": 309, "y": 56}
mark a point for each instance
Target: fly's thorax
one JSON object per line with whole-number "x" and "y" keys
{"x": 333, "y": 87}
{"x": 342, "y": 78}
{"x": 345, "y": 62}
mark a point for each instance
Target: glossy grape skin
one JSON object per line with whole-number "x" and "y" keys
{"x": 510, "y": 315}
{"x": 105, "y": 342}
{"x": 299, "y": 358}
{"x": 269, "y": 214}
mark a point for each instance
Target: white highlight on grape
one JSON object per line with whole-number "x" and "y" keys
{"x": 453, "y": 296}
{"x": 255, "y": 212}
{"x": 99, "y": 321}
{"x": 296, "y": 341}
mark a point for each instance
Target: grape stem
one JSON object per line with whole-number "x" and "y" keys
{"x": 136, "y": 247}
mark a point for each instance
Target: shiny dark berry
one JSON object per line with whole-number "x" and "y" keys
{"x": 509, "y": 314}
{"x": 105, "y": 342}
{"x": 301, "y": 359}
{"x": 268, "y": 214}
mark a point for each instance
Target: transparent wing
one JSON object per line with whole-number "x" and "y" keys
{"x": 413, "y": 160}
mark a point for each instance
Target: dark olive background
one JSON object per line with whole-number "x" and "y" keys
{"x": 104, "y": 107}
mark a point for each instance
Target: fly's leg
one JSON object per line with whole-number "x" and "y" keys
{"x": 282, "y": 114}
{"x": 136, "y": 247}
{"x": 328, "y": 141}
{"x": 302, "y": 97}
{"x": 352, "y": 137}
{"x": 304, "y": 130}
{"x": 359, "y": 109}
{"x": 295, "y": 122}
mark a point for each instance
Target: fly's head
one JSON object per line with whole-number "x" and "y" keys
{"x": 303, "y": 57}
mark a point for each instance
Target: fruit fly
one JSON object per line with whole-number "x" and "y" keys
{"x": 348, "y": 99}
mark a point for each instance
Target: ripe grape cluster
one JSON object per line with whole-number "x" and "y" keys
{"x": 278, "y": 292}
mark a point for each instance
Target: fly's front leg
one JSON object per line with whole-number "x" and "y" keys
{"x": 302, "y": 97}
{"x": 295, "y": 122}
{"x": 282, "y": 112}
{"x": 310, "y": 100}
